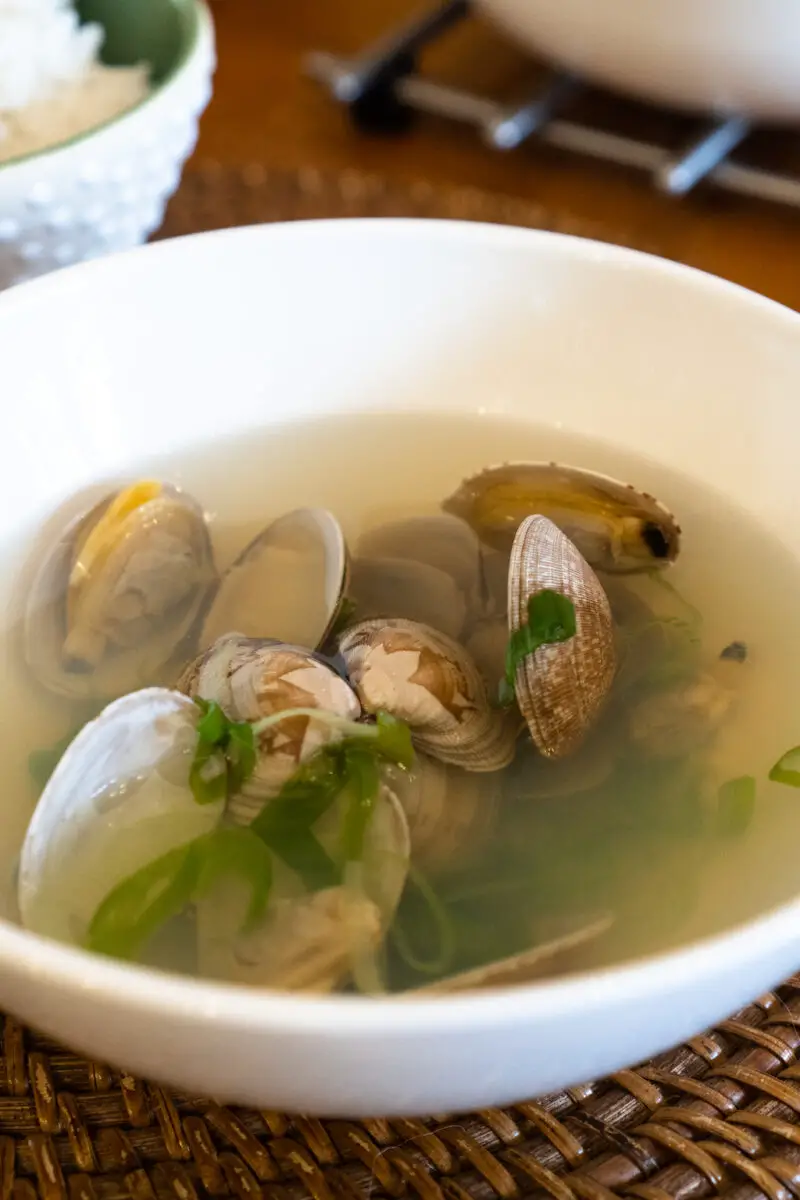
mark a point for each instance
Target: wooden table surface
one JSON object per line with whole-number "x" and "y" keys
{"x": 265, "y": 111}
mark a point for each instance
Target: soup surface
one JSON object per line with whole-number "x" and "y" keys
{"x": 660, "y": 826}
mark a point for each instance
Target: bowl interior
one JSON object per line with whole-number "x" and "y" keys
{"x": 178, "y": 347}
{"x": 159, "y": 32}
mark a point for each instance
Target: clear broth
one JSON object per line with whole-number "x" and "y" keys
{"x": 656, "y": 860}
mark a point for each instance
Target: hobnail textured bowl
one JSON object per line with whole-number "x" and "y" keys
{"x": 106, "y": 190}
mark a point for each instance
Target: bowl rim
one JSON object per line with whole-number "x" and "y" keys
{"x": 199, "y": 24}
{"x": 42, "y": 961}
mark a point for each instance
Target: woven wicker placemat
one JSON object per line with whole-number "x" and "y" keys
{"x": 717, "y": 1116}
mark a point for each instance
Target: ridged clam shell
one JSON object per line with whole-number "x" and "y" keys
{"x": 615, "y": 526}
{"x": 561, "y": 688}
{"x": 251, "y": 678}
{"x": 451, "y": 812}
{"x": 136, "y": 606}
{"x": 429, "y": 681}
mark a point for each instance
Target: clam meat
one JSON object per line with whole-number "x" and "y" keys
{"x": 429, "y": 681}
{"x": 118, "y": 799}
{"x": 614, "y": 526}
{"x": 313, "y": 941}
{"x": 287, "y": 584}
{"x": 253, "y": 678}
{"x": 561, "y": 688}
{"x": 118, "y": 592}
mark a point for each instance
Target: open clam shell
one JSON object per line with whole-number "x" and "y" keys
{"x": 312, "y": 942}
{"x": 551, "y": 957}
{"x": 615, "y": 527}
{"x": 561, "y": 688}
{"x": 287, "y": 584}
{"x": 429, "y": 681}
{"x": 118, "y": 592}
{"x": 118, "y": 799}
{"x": 251, "y": 678}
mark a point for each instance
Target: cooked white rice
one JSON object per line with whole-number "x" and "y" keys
{"x": 52, "y": 86}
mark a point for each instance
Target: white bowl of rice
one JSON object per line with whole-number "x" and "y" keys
{"x": 99, "y": 109}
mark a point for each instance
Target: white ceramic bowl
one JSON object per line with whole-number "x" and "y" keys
{"x": 107, "y": 189}
{"x": 716, "y": 56}
{"x": 262, "y": 325}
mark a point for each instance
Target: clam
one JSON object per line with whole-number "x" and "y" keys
{"x": 561, "y": 688}
{"x": 287, "y": 584}
{"x": 118, "y": 592}
{"x": 401, "y": 587}
{"x": 541, "y": 778}
{"x": 450, "y": 812}
{"x": 682, "y": 718}
{"x": 615, "y": 527}
{"x": 118, "y": 799}
{"x": 251, "y": 678}
{"x": 429, "y": 681}
{"x": 440, "y": 541}
{"x": 313, "y": 941}
{"x": 487, "y": 644}
{"x": 551, "y": 957}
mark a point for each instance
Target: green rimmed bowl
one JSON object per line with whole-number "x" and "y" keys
{"x": 106, "y": 190}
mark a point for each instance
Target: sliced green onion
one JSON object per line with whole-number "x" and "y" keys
{"x": 787, "y": 768}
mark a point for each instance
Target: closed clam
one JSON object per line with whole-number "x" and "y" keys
{"x": 118, "y": 592}
{"x": 253, "y": 678}
{"x": 429, "y": 681}
{"x": 287, "y": 584}
{"x": 451, "y": 812}
{"x": 615, "y": 527}
{"x": 313, "y": 941}
{"x": 561, "y": 688}
{"x": 119, "y": 798}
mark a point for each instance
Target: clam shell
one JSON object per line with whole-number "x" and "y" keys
{"x": 441, "y": 541}
{"x": 615, "y": 527}
{"x": 118, "y": 799}
{"x": 286, "y": 584}
{"x": 561, "y": 688}
{"x": 451, "y": 813}
{"x": 401, "y": 587}
{"x": 487, "y": 644}
{"x": 429, "y": 681}
{"x": 549, "y": 958}
{"x": 680, "y": 720}
{"x": 311, "y": 943}
{"x": 251, "y": 678}
{"x": 133, "y": 609}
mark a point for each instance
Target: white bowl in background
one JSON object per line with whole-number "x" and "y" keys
{"x": 178, "y": 345}
{"x": 715, "y": 56}
{"x": 107, "y": 189}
